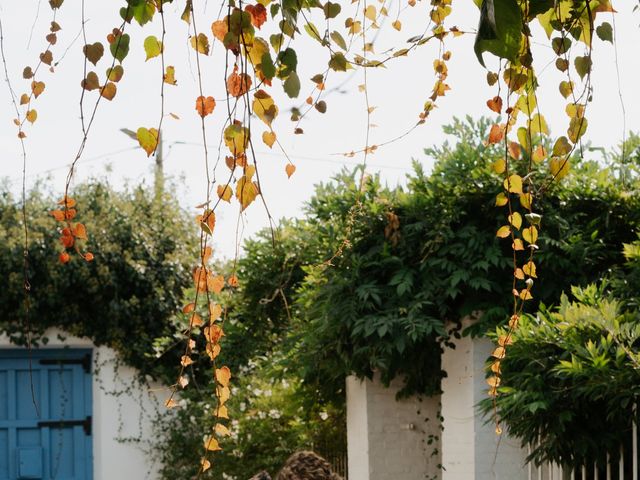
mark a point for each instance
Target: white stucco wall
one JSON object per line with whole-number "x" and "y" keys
{"x": 471, "y": 450}
{"x": 388, "y": 439}
{"x": 122, "y": 422}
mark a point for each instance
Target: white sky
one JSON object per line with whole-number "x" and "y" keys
{"x": 398, "y": 92}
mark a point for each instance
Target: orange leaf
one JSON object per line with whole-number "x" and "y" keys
{"x": 223, "y": 375}
{"x": 64, "y": 257}
{"x": 205, "y": 106}
{"x": 37, "y": 88}
{"x": 232, "y": 281}
{"x": 109, "y": 91}
{"x": 495, "y": 104}
{"x": 290, "y": 169}
{"x": 213, "y": 334}
{"x": 186, "y": 360}
{"x": 222, "y": 412}
{"x": 223, "y": 394}
{"x": 215, "y": 284}
{"x": 238, "y": 84}
{"x": 221, "y": 430}
{"x": 213, "y": 350}
{"x": 80, "y": 231}
{"x": 220, "y": 29}
{"x": 258, "y": 14}
{"x": 211, "y": 444}
{"x": 70, "y": 202}
{"x": 88, "y": 256}
{"x": 58, "y": 215}
{"x": 496, "y": 134}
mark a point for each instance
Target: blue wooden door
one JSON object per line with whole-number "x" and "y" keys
{"x": 49, "y": 439}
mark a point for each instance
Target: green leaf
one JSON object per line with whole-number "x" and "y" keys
{"x": 338, "y": 62}
{"x": 583, "y": 65}
{"x": 336, "y": 37}
{"x": 144, "y": 12}
{"x": 331, "y": 10}
{"x": 120, "y": 47}
{"x": 292, "y": 85}
{"x": 499, "y": 30}
{"x": 313, "y": 32}
{"x": 288, "y": 62}
{"x": 152, "y": 47}
{"x": 605, "y": 32}
{"x": 267, "y": 66}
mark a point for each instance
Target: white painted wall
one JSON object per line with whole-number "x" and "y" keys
{"x": 471, "y": 450}
{"x": 388, "y": 439}
{"x": 116, "y": 417}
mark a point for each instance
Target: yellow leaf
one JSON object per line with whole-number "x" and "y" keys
{"x": 501, "y": 200}
{"x": 517, "y": 245}
{"x": 513, "y": 184}
{"x": 499, "y": 166}
{"x": 170, "y": 403}
{"x": 221, "y": 430}
{"x": 530, "y": 269}
{"x": 519, "y": 274}
{"x": 170, "y": 75}
{"x": 290, "y": 169}
{"x": 493, "y": 381}
{"x": 525, "y": 200}
{"x": 223, "y": 394}
{"x": 538, "y": 124}
{"x": 148, "y": 139}
{"x": 246, "y": 191}
{"x": 530, "y": 234}
{"x": 397, "y": 25}
{"x": 559, "y": 167}
{"x": 264, "y": 107}
{"x": 222, "y": 412}
{"x": 223, "y": 375}
{"x": 205, "y": 464}
{"x": 499, "y": 353}
{"x": 525, "y": 295}
{"x": 185, "y": 361}
{"x": 495, "y": 367}
{"x": 32, "y": 115}
{"x": 200, "y": 44}
{"x": 211, "y": 444}
{"x": 370, "y": 12}
{"x": 503, "y": 232}
{"x": 269, "y": 138}
{"x": 224, "y": 192}
{"x": 24, "y": 99}
{"x": 505, "y": 340}
{"x": 515, "y": 219}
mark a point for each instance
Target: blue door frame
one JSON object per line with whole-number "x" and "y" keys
{"x": 54, "y": 440}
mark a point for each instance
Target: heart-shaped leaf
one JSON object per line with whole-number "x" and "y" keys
{"x": 148, "y": 139}
{"x": 91, "y": 82}
{"x": 93, "y": 52}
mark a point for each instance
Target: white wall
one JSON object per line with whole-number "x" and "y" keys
{"x": 470, "y": 447}
{"x": 116, "y": 416}
{"x": 388, "y": 439}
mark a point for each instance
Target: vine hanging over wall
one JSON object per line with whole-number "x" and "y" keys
{"x": 258, "y": 42}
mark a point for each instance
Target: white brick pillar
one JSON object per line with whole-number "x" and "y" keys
{"x": 471, "y": 450}
{"x": 389, "y": 439}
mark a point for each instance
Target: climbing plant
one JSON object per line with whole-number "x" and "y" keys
{"x": 259, "y": 45}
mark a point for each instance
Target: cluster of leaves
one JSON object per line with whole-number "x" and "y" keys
{"x": 420, "y": 260}
{"x": 572, "y": 378}
{"x": 125, "y": 299}
{"x": 274, "y": 418}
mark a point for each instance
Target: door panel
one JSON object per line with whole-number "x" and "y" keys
{"x": 51, "y": 439}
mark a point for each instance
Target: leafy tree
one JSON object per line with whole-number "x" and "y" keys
{"x": 125, "y": 298}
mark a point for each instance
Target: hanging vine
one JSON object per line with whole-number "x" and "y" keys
{"x": 259, "y": 41}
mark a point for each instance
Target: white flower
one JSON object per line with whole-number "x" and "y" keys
{"x": 273, "y": 413}
{"x": 268, "y": 393}
{"x": 262, "y": 415}
{"x": 257, "y": 392}
{"x": 243, "y": 406}
{"x": 285, "y": 384}
{"x": 324, "y": 415}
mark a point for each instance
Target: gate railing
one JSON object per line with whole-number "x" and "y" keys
{"x": 624, "y": 467}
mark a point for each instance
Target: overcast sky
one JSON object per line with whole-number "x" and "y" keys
{"x": 398, "y": 92}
